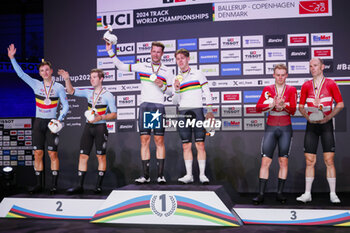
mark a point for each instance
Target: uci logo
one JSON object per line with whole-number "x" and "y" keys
{"x": 126, "y": 49}
{"x": 118, "y": 20}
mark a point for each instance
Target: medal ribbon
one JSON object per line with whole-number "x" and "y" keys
{"x": 187, "y": 71}
{"x": 94, "y": 101}
{"x": 317, "y": 90}
{"x": 160, "y": 64}
{"x": 276, "y": 90}
{"x": 48, "y": 93}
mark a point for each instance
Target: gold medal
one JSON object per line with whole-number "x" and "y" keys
{"x": 179, "y": 77}
{"x": 153, "y": 77}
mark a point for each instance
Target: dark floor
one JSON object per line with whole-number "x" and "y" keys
{"x": 320, "y": 201}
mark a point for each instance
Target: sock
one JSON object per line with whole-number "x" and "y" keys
{"x": 39, "y": 178}
{"x": 262, "y": 186}
{"x": 308, "y": 184}
{"x": 332, "y": 182}
{"x": 145, "y": 166}
{"x": 201, "y": 165}
{"x": 160, "y": 164}
{"x": 280, "y": 185}
{"x": 81, "y": 175}
{"x": 54, "y": 174}
{"x": 100, "y": 176}
{"x": 188, "y": 165}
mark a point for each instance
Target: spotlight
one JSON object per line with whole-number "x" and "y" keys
{"x": 7, "y": 170}
{"x": 8, "y": 179}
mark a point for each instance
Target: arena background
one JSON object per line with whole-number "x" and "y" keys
{"x": 236, "y": 74}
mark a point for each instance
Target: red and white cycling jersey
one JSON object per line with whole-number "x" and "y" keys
{"x": 329, "y": 91}
{"x": 278, "y": 118}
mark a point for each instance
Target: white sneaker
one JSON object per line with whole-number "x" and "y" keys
{"x": 305, "y": 197}
{"x": 186, "y": 179}
{"x": 203, "y": 179}
{"x": 334, "y": 198}
{"x": 161, "y": 180}
{"x": 142, "y": 180}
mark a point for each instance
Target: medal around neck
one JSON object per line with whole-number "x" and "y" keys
{"x": 180, "y": 78}
{"x": 55, "y": 126}
{"x": 153, "y": 77}
{"x": 47, "y": 101}
{"x": 90, "y": 114}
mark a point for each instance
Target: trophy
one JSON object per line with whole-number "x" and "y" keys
{"x": 90, "y": 114}
{"x": 318, "y": 114}
{"x": 269, "y": 99}
{"x": 109, "y": 37}
{"x": 55, "y": 126}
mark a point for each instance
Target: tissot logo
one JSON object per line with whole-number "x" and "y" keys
{"x": 230, "y": 42}
{"x": 275, "y": 40}
{"x": 298, "y": 54}
{"x": 144, "y": 47}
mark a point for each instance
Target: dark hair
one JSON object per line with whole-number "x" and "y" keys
{"x": 99, "y": 72}
{"x": 158, "y": 44}
{"x": 182, "y": 51}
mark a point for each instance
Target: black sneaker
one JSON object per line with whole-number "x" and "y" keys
{"x": 281, "y": 198}
{"x": 258, "y": 199}
{"x": 76, "y": 190}
{"x": 35, "y": 189}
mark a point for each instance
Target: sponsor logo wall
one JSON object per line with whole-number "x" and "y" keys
{"x": 232, "y": 63}
{"x": 223, "y": 60}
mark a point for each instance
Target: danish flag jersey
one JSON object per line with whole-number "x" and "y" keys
{"x": 278, "y": 118}
{"x": 329, "y": 91}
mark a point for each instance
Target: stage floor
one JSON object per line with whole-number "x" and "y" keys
{"x": 242, "y": 200}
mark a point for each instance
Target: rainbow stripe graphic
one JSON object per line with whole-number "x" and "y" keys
{"x": 185, "y": 207}
{"x": 342, "y": 81}
{"x": 130, "y": 208}
{"x": 195, "y": 209}
{"x": 189, "y": 86}
{"x": 146, "y": 77}
{"x": 213, "y": 11}
{"x": 99, "y": 21}
{"x": 19, "y": 212}
{"x": 335, "y": 220}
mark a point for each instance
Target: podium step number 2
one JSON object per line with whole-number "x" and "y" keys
{"x": 49, "y": 208}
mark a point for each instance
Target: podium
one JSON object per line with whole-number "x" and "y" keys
{"x": 168, "y": 205}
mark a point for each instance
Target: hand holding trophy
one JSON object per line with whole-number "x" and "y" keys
{"x": 90, "y": 114}
{"x": 55, "y": 126}
{"x": 318, "y": 114}
{"x": 109, "y": 37}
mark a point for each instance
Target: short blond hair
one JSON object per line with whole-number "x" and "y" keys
{"x": 280, "y": 67}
